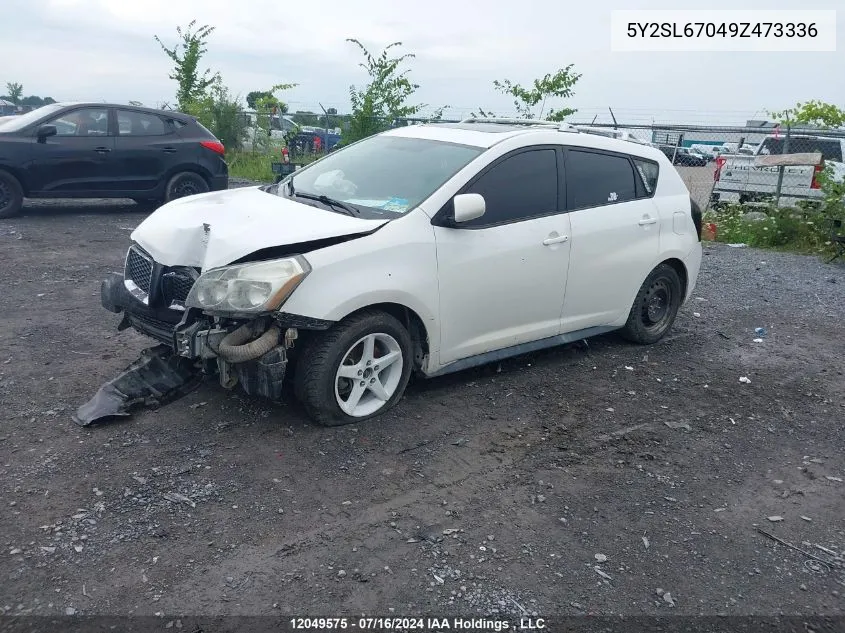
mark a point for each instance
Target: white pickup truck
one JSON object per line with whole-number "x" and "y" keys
{"x": 744, "y": 178}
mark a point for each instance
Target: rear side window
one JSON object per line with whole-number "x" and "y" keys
{"x": 522, "y": 186}
{"x": 131, "y": 123}
{"x": 594, "y": 179}
{"x": 648, "y": 172}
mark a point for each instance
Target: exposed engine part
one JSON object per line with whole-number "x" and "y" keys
{"x": 228, "y": 380}
{"x": 291, "y": 334}
{"x": 264, "y": 376}
{"x": 234, "y": 348}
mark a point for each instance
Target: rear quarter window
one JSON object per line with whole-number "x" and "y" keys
{"x": 648, "y": 172}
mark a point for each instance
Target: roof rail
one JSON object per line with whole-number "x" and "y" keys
{"x": 563, "y": 127}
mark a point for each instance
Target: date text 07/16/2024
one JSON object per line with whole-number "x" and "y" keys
{"x": 415, "y": 624}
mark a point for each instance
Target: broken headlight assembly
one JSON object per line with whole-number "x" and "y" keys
{"x": 248, "y": 289}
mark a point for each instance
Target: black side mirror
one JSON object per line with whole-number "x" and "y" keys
{"x": 44, "y": 131}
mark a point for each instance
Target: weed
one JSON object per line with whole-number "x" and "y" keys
{"x": 256, "y": 166}
{"x": 796, "y": 229}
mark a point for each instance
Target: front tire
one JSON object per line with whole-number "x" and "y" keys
{"x": 11, "y": 195}
{"x": 655, "y": 306}
{"x": 185, "y": 183}
{"x": 357, "y": 370}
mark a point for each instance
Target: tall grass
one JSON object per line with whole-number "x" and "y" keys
{"x": 256, "y": 166}
{"x": 793, "y": 229}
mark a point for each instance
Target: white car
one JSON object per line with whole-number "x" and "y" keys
{"x": 426, "y": 249}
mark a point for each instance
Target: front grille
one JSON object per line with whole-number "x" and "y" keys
{"x": 176, "y": 283}
{"x": 139, "y": 269}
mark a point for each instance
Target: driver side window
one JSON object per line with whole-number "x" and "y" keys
{"x": 522, "y": 186}
{"x": 83, "y": 122}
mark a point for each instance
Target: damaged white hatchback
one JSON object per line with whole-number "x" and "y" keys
{"x": 423, "y": 250}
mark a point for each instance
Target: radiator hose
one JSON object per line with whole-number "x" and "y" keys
{"x": 234, "y": 348}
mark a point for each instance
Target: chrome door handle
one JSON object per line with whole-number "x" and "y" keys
{"x": 555, "y": 240}
{"x": 646, "y": 221}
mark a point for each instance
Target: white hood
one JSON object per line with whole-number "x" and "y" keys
{"x": 215, "y": 229}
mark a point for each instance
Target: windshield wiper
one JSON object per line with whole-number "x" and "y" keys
{"x": 330, "y": 202}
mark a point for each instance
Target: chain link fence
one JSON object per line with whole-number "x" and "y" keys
{"x": 770, "y": 164}
{"x": 761, "y": 164}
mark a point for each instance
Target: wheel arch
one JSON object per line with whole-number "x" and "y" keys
{"x": 420, "y": 336}
{"x": 681, "y": 269}
{"x": 195, "y": 168}
{"x": 17, "y": 175}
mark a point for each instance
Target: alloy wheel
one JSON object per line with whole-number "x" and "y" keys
{"x": 368, "y": 375}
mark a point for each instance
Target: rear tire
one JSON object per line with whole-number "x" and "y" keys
{"x": 11, "y": 195}
{"x": 339, "y": 379}
{"x": 185, "y": 183}
{"x": 655, "y": 306}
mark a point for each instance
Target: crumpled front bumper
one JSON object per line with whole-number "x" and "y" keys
{"x": 158, "y": 323}
{"x": 193, "y": 338}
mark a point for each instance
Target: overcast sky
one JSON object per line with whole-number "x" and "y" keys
{"x": 104, "y": 50}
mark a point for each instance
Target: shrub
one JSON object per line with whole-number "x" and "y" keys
{"x": 801, "y": 229}
{"x": 256, "y": 166}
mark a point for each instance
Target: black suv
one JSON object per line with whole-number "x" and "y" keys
{"x": 95, "y": 150}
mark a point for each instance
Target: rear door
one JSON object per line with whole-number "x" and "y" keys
{"x": 615, "y": 236}
{"x": 78, "y": 160}
{"x": 145, "y": 148}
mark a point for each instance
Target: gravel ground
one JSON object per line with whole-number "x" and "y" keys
{"x": 604, "y": 478}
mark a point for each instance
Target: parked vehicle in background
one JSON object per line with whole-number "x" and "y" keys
{"x": 683, "y": 156}
{"x": 279, "y": 129}
{"x": 734, "y": 148}
{"x": 742, "y": 179}
{"x": 426, "y": 249}
{"x": 96, "y": 150}
{"x": 710, "y": 152}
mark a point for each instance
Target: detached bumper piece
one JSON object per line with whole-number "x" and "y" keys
{"x": 156, "y": 378}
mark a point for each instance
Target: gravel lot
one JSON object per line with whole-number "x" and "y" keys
{"x": 602, "y": 479}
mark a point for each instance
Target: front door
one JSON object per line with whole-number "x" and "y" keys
{"x": 615, "y": 237}
{"x": 78, "y": 159}
{"x": 502, "y": 276}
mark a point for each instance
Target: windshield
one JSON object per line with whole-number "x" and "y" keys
{"x": 22, "y": 120}
{"x": 383, "y": 173}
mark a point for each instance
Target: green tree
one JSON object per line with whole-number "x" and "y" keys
{"x": 825, "y": 116}
{"x": 306, "y": 117}
{"x": 186, "y": 56}
{"x": 264, "y": 105}
{"x": 268, "y": 97}
{"x": 385, "y": 98}
{"x": 219, "y": 111}
{"x": 15, "y": 91}
{"x": 557, "y": 85}
{"x": 35, "y": 101}
{"x": 814, "y": 113}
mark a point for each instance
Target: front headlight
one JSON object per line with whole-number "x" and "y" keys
{"x": 248, "y": 288}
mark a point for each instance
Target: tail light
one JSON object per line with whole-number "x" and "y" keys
{"x": 214, "y": 146}
{"x": 815, "y": 184}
